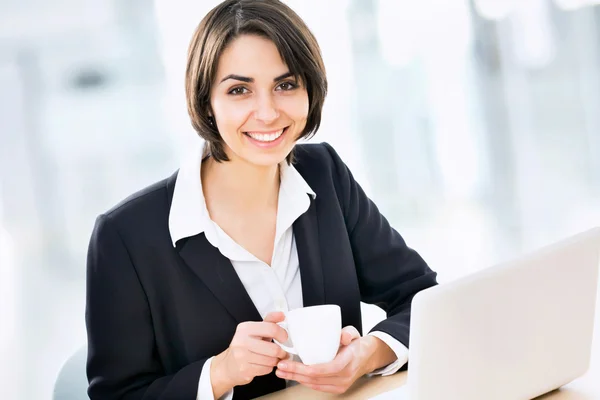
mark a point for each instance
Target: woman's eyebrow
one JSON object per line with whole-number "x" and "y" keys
{"x": 250, "y": 80}
{"x": 280, "y": 77}
{"x": 238, "y": 78}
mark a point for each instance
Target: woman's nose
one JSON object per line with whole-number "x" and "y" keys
{"x": 266, "y": 109}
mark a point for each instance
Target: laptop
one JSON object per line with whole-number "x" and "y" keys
{"x": 513, "y": 331}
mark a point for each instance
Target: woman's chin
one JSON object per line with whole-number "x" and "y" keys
{"x": 266, "y": 160}
{"x": 267, "y": 156}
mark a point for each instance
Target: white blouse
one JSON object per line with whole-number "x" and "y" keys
{"x": 272, "y": 288}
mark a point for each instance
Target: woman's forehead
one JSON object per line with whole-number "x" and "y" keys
{"x": 251, "y": 56}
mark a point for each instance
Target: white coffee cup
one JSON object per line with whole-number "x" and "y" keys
{"x": 314, "y": 333}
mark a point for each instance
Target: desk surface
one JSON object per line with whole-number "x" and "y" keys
{"x": 585, "y": 388}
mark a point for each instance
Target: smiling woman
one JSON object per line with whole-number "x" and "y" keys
{"x": 259, "y": 60}
{"x": 261, "y": 110}
{"x": 188, "y": 279}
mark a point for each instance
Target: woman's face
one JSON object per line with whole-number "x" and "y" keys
{"x": 260, "y": 110}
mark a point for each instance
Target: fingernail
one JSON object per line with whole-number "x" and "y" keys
{"x": 282, "y": 365}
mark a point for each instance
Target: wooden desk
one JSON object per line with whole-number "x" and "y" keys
{"x": 585, "y": 388}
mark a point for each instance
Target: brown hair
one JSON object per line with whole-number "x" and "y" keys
{"x": 271, "y": 19}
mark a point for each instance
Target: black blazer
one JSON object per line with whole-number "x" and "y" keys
{"x": 156, "y": 313}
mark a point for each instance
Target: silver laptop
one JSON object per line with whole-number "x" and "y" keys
{"x": 510, "y": 332}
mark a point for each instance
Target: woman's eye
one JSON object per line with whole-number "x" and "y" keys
{"x": 238, "y": 90}
{"x": 285, "y": 86}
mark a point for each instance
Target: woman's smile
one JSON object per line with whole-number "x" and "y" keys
{"x": 266, "y": 139}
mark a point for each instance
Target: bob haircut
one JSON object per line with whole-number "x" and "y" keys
{"x": 272, "y": 20}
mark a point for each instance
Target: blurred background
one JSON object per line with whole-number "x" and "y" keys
{"x": 474, "y": 125}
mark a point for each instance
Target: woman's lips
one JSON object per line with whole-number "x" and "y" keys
{"x": 266, "y": 139}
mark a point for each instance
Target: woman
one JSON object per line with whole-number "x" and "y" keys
{"x": 187, "y": 279}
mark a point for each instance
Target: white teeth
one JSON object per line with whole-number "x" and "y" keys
{"x": 265, "y": 137}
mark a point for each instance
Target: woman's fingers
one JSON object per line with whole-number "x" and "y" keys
{"x": 265, "y": 348}
{"x": 259, "y": 370}
{"x": 349, "y": 333}
{"x": 265, "y": 361}
{"x": 268, "y": 330}
{"x": 275, "y": 316}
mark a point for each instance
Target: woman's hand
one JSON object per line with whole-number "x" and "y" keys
{"x": 338, "y": 375}
{"x": 250, "y": 353}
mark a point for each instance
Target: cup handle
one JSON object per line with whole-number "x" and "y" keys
{"x": 288, "y": 349}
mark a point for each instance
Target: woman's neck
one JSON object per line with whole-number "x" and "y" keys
{"x": 240, "y": 187}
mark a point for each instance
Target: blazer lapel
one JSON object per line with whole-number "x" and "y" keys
{"x": 306, "y": 232}
{"x": 217, "y": 273}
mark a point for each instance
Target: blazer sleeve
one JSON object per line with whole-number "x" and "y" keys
{"x": 389, "y": 272}
{"x": 122, "y": 361}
